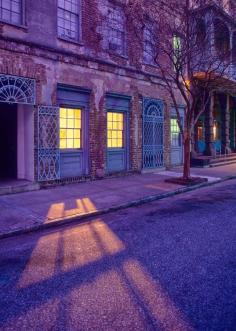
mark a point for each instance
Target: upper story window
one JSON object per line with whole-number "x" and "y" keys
{"x": 149, "y": 44}
{"x": 68, "y": 19}
{"x": 177, "y": 52}
{"x": 222, "y": 39}
{"x": 11, "y": 11}
{"x": 115, "y": 30}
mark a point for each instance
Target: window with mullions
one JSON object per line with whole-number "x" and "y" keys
{"x": 68, "y": 19}
{"x": 11, "y": 11}
{"x": 177, "y": 52}
{"x": 175, "y": 133}
{"x": 70, "y": 128}
{"x": 149, "y": 48}
{"x": 115, "y": 130}
{"x": 114, "y": 31}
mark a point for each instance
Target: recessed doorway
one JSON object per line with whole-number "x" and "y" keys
{"x": 8, "y": 141}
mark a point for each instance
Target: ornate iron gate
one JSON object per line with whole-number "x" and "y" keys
{"x": 48, "y": 144}
{"x": 153, "y": 132}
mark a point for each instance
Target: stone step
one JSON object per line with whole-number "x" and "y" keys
{"x": 206, "y": 161}
{"x": 220, "y": 164}
{"x": 18, "y": 188}
{"x": 223, "y": 159}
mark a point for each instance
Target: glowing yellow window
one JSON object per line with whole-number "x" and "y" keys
{"x": 70, "y": 128}
{"x": 115, "y": 130}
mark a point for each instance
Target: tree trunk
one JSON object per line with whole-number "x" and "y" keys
{"x": 186, "y": 170}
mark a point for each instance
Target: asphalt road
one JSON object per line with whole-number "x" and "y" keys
{"x": 168, "y": 265}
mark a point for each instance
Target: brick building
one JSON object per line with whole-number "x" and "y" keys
{"x": 79, "y": 97}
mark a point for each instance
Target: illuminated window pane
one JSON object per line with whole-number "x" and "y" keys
{"x": 70, "y": 113}
{"x": 77, "y": 134}
{"x": 62, "y": 143}
{"x": 109, "y": 143}
{"x": 109, "y": 117}
{"x": 63, "y": 122}
{"x": 120, "y": 117}
{"x": 70, "y": 123}
{"x": 78, "y": 123}
{"x": 70, "y": 143}
{"x": 114, "y": 134}
{"x": 119, "y": 134}
{"x": 115, "y": 125}
{"x": 77, "y": 113}
{"x": 63, "y": 133}
{"x": 119, "y": 143}
{"x": 77, "y": 143}
{"x": 63, "y": 113}
{"x": 120, "y": 126}
{"x": 70, "y": 128}
{"x": 70, "y": 133}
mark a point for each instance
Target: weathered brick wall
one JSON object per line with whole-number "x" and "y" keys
{"x": 100, "y": 80}
{"x": 85, "y": 65}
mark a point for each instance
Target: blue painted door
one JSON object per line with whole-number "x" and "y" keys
{"x": 118, "y": 107}
{"x": 153, "y": 131}
{"x": 74, "y": 116}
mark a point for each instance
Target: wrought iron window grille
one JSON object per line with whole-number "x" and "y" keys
{"x": 14, "y": 89}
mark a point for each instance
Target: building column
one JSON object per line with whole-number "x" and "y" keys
{"x": 225, "y": 126}
{"x": 209, "y": 151}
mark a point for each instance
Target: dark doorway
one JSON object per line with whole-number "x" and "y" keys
{"x": 8, "y": 141}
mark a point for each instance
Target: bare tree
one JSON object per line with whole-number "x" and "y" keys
{"x": 191, "y": 51}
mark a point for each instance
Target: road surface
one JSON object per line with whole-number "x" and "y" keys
{"x": 167, "y": 265}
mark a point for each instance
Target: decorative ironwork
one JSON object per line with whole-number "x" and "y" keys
{"x": 15, "y": 89}
{"x": 153, "y": 132}
{"x": 48, "y": 144}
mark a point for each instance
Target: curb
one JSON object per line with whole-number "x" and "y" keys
{"x": 77, "y": 218}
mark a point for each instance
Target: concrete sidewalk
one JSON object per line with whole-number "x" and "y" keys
{"x": 38, "y": 209}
